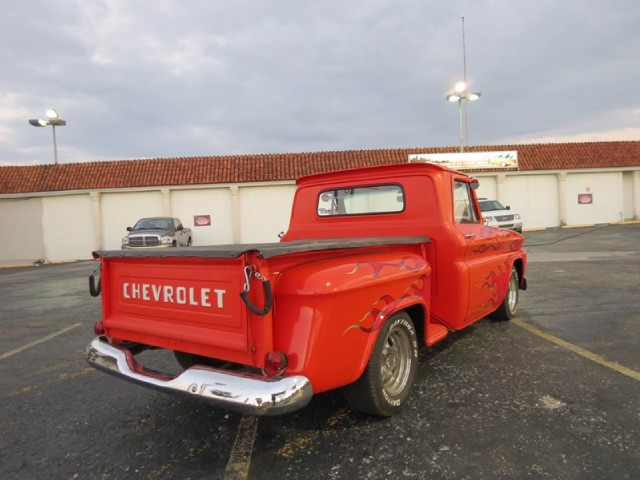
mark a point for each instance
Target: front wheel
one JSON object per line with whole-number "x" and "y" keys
{"x": 385, "y": 385}
{"x": 509, "y": 306}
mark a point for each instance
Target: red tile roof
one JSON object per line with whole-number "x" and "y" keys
{"x": 288, "y": 166}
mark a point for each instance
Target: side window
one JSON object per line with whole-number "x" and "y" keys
{"x": 463, "y": 210}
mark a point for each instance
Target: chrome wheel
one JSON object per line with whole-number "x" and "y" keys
{"x": 397, "y": 357}
{"x": 386, "y": 383}
{"x": 512, "y": 293}
{"x": 509, "y": 306}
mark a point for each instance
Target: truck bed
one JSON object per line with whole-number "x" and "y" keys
{"x": 178, "y": 298}
{"x": 266, "y": 250}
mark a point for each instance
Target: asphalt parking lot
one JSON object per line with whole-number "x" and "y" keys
{"x": 555, "y": 393}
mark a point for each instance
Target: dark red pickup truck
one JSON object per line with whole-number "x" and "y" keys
{"x": 376, "y": 261}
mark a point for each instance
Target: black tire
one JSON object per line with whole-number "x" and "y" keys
{"x": 509, "y": 306}
{"x": 384, "y": 387}
{"x": 188, "y": 360}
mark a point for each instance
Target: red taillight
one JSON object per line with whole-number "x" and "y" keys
{"x": 98, "y": 328}
{"x": 275, "y": 363}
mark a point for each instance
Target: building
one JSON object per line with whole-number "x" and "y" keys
{"x": 65, "y": 211}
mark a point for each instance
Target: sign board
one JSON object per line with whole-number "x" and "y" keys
{"x": 585, "y": 198}
{"x": 470, "y": 160}
{"x": 202, "y": 220}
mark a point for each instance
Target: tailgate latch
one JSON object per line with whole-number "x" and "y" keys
{"x": 249, "y": 272}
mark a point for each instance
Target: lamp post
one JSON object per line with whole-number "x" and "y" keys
{"x": 460, "y": 94}
{"x": 54, "y": 120}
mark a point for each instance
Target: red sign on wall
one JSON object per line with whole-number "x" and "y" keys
{"x": 202, "y": 220}
{"x": 585, "y": 198}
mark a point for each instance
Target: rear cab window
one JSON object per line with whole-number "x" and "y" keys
{"x": 361, "y": 200}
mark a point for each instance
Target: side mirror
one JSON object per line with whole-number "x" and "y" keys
{"x": 129, "y": 229}
{"x": 475, "y": 184}
{"x": 508, "y": 207}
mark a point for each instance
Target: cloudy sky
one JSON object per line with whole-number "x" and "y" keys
{"x": 174, "y": 78}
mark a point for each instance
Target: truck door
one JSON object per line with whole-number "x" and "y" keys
{"x": 481, "y": 256}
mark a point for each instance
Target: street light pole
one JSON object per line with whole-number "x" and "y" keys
{"x": 461, "y": 94}
{"x": 55, "y": 146}
{"x": 459, "y": 124}
{"x": 54, "y": 120}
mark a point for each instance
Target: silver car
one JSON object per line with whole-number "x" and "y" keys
{"x": 157, "y": 232}
{"x": 497, "y": 215}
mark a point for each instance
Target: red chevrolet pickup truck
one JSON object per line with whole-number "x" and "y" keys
{"x": 376, "y": 262}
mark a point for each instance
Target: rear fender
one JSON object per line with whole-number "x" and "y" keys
{"x": 391, "y": 309}
{"x": 329, "y": 312}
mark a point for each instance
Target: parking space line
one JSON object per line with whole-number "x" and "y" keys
{"x": 629, "y": 372}
{"x": 63, "y": 377}
{"x": 39, "y": 341}
{"x": 240, "y": 457}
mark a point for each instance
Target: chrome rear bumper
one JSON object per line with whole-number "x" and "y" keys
{"x": 242, "y": 392}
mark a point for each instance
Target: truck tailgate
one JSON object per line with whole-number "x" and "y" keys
{"x": 189, "y": 304}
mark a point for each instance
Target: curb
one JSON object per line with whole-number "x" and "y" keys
{"x": 35, "y": 263}
{"x": 584, "y": 225}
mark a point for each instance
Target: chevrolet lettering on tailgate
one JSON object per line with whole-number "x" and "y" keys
{"x": 150, "y": 292}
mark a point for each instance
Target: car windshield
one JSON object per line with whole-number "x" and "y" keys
{"x": 490, "y": 205}
{"x": 153, "y": 224}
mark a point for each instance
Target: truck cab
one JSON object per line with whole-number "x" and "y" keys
{"x": 471, "y": 263}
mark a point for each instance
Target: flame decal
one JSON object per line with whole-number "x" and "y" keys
{"x": 492, "y": 280}
{"x": 497, "y": 241}
{"x": 378, "y": 313}
{"x": 411, "y": 264}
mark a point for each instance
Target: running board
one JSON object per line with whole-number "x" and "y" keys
{"x": 435, "y": 333}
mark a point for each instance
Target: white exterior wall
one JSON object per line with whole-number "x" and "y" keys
{"x": 534, "y": 197}
{"x": 120, "y": 210}
{"x": 606, "y": 189}
{"x": 60, "y": 227}
{"x": 21, "y": 235}
{"x": 213, "y": 202}
{"x": 627, "y": 195}
{"x": 67, "y": 227}
{"x": 264, "y": 213}
{"x": 487, "y": 188}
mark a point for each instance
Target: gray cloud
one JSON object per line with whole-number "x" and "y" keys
{"x": 167, "y": 78}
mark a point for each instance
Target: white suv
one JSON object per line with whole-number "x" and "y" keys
{"x": 496, "y": 215}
